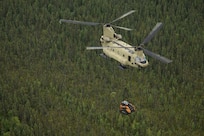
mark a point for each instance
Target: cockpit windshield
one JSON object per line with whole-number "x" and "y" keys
{"x": 140, "y": 60}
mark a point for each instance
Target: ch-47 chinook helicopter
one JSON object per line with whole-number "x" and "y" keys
{"x": 114, "y": 47}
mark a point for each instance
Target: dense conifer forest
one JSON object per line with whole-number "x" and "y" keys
{"x": 51, "y": 85}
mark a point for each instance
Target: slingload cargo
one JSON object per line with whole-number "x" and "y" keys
{"x": 126, "y": 107}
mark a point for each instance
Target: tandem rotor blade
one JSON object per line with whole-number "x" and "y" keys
{"x": 102, "y": 47}
{"x": 124, "y": 15}
{"x": 124, "y": 28}
{"x": 78, "y": 22}
{"x": 96, "y": 48}
{"x": 156, "y": 56}
{"x": 152, "y": 33}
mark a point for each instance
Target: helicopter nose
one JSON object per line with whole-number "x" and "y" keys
{"x": 141, "y": 61}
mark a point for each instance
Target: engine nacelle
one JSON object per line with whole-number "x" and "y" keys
{"x": 104, "y": 39}
{"x": 117, "y": 36}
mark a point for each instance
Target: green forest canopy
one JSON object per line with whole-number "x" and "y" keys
{"x": 50, "y": 85}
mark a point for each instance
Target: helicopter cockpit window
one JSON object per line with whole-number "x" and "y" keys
{"x": 137, "y": 59}
{"x": 140, "y": 60}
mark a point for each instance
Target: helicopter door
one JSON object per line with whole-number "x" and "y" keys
{"x": 129, "y": 58}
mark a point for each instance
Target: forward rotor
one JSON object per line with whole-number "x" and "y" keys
{"x": 157, "y": 27}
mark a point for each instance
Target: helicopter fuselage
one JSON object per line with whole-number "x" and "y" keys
{"x": 122, "y": 52}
